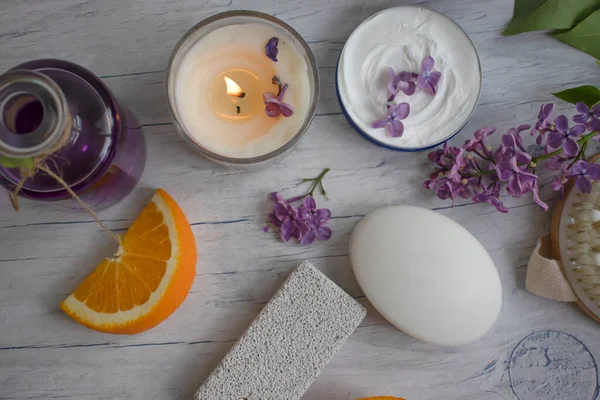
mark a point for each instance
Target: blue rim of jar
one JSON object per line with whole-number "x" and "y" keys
{"x": 387, "y": 146}
{"x": 275, "y": 154}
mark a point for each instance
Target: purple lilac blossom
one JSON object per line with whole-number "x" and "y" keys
{"x": 565, "y": 136}
{"x": 428, "y": 79}
{"x": 477, "y": 171}
{"x": 275, "y": 106}
{"x": 584, "y": 174}
{"x": 544, "y": 119}
{"x": 392, "y": 122}
{"x": 586, "y": 113}
{"x": 404, "y": 82}
{"x": 304, "y": 223}
{"x": 400, "y": 82}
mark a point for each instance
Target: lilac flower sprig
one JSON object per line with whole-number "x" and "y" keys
{"x": 306, "y": 222}
{"x": 475, "y": 171}
{"x": 274, "y": 104}
{"x": 407, "y": 83}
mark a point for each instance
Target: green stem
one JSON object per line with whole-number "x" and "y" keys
{"x": 583, "y": 141}
{"x": 318, "y": 181}
{"x": 535, "y": 160}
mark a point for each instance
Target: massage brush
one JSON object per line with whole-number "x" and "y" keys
{"x": 576, "y": 243}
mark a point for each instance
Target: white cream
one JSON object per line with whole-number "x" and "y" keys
{"x": 400, "y": 38}
{"x": 241, "y": 46}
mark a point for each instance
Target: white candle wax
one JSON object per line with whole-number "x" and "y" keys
{"x": 238, "y": 52}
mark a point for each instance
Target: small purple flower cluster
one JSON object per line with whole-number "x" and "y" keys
{"x": 477, "y": 172}
{"x": 404, "y": 82}
{"x": 274, "y": 104}
{"x": 304, "y": 223}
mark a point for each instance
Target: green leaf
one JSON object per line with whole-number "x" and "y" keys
{"x": 523, "y": 8}
{"x": 589, "y": 94}
{"x": 585, "y": 36}
{"x": 538, "y": 15}
{"x": 9, "y": 162}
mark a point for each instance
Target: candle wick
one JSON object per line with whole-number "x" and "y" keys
{"x": 238, "y": 109}
{"x": 242, "y": 95}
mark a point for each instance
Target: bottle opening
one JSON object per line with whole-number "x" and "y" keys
{"x": 33, "y": 113}
{"x": 23, "y": 113}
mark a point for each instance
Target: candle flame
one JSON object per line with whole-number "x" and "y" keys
{"x": 233, "y": 89}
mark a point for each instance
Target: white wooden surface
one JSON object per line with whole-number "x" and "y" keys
{"x": 45, "y": 253}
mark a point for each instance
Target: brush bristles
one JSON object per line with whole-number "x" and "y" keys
{"x": 583, "y": 234}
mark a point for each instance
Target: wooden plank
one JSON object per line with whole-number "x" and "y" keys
{"x": 45, "y": 252}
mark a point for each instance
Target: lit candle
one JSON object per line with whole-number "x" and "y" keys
{"x": 219, "y": 76}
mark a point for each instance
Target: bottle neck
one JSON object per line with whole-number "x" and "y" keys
{"x": 34, "y": 114}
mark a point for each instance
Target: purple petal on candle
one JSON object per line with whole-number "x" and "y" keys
{"x": 270, "y": 98}
{"x": 275, "y": 107}
{"x": 273, "y": 110}
{"x": 283, "y": 90}
{"x": 286, "y": 109}
{"x": 271, "y": 49}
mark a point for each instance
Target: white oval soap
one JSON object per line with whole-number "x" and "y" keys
{"x": 426, "y": 274}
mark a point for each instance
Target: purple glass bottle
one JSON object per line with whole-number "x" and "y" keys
{"x": 51, "y": 104}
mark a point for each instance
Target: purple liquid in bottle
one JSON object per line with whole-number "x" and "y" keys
{"x": 50, "y": 104}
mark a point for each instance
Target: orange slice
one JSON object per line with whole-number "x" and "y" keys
{"x": 148, "y": 277}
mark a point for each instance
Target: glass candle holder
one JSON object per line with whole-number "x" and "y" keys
{"x": 400, "y": 38}
{"x": 216, "y": 79}
{"x": 64, "y": 114}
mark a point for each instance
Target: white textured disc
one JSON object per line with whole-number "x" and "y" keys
{"x": 426, "y": 274}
